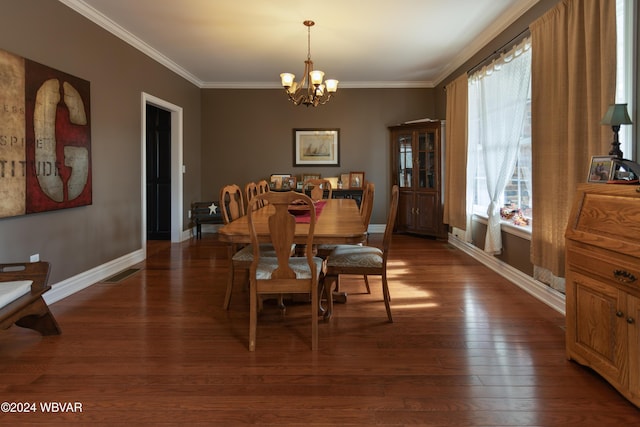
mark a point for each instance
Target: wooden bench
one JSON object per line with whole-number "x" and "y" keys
{"x": 25, "y": 306}
{"x": 201, "y": 214}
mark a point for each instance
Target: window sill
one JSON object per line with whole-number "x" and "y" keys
{"x": 507, "y": 227}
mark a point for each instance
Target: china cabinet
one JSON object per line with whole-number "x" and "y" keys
{"x": 603, "y": 284}
{"x": 417, "y": 166}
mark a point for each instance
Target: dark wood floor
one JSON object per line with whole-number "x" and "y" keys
{"x": 467, "y": 349}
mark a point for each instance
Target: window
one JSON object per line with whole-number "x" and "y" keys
{"x": 515, "y": 201}
{"x": 515, "y": 198}
{"x": 624, "y": 69}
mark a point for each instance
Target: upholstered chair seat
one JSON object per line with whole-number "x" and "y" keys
{"x": 355, "y": 256}
{"x": 267, "y": 265}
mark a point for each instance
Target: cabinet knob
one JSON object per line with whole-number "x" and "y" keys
{"x": 630, "y": 320}
{"x": 624, "y": 276}
{"x": 619, "y": 313}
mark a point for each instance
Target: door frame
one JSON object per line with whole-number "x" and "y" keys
{"x": 176, "y": 167}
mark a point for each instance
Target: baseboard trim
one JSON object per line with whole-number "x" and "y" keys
{"x": 83, "y": 280}
{"x": 539, "y": 290}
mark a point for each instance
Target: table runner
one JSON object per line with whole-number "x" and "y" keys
{"x": 306, "y": 217}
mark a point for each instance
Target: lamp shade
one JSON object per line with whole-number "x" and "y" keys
{"x": 287, "y": 79}
{"x": 616, "y": 115}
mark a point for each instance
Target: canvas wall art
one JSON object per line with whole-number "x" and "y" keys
{"x": 45, "y": 138}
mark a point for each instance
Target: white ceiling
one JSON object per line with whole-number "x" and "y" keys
{"x": 362, "y": 43}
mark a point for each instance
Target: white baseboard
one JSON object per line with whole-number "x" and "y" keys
{"x": 539, "y": 290}
{"x": 83, "y": 280}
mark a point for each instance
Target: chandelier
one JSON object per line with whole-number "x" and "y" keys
{"x": 311, "y": 90}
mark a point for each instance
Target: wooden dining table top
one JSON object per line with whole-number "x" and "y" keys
{"x": 338, "y": 223}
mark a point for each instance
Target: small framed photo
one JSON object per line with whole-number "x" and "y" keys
{"x": 308, "y": 176}
{"x": 276, "y": 180}
{"x": 356, "y": 180}
{"x": 289, "y": 183}
{"x": 316, "y": 147}
{"x": 344, "y": 179}
{"x": 601, "y": 169}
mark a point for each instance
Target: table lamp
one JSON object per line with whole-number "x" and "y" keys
{"x": 615, "y": 116}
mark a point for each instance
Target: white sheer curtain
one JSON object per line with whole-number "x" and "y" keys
{"x": 497, "y": 104}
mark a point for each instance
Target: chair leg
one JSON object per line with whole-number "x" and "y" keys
{"x": 387, "y": 296}
{"x": 315, "y": 302}
{"x": 366, "y": 283}
{"x": 328, "y": 285}
{"x": 227, "y": 296}
{"x": 253, "y": 315}
{"x": 41, "y": 319}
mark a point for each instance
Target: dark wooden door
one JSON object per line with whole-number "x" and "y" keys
{"x": 158, "y": 173}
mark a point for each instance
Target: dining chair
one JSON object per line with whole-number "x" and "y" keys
{"x": 232, "y": 206}
{"x": 283, "y": 273}
{"x": 241, "y": 256}
{"x": 317, "y": 188}
{"x": 363, "y": 260}
{"x": 231, "y": 203}
{"x": 263, "y": 187}
{"x": 366, "y": 207}
{"x": 250, "y": 191}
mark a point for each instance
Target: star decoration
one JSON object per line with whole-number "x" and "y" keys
{"x": 213, "y": 209}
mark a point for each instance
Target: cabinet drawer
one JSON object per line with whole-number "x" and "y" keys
{"x": 620, "y": 270}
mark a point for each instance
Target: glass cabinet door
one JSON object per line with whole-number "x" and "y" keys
{"x": 426, "y": 160}
{"x": 405, "y": 160}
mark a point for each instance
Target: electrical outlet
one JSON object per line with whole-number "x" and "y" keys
{"x": 34, "y": 258}
{"x": 189, "y": 214}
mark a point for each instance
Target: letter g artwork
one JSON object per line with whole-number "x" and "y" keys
{"x": 45, "y": 138}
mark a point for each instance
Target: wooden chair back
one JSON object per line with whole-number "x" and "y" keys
{"x": 366, "y": 206}
{"x": 263, "y": 187}
{"x": 251, "y": 191}
{"x": 391, "y": 221}
{"x": 231, "y": 203}
{"x": 317, "y": 187}
{"x": 269, "y": 275}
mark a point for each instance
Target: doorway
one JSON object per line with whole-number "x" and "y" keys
{"x": 158, "y": 183}
{"x": 176, "y": 168}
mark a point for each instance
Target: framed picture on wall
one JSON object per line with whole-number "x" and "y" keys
{"x": 316, "y": 147}
{"x": 601, "y": 169}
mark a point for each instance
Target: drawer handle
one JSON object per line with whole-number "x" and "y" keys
{"x": 624, "y": 276}
{"x": 619, "y": 313}
{"x": 630, "y": 320}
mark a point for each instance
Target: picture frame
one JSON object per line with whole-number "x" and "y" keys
{"x": 601, "y": 169}
{"x": 356, "y": 180}
{"x": 344, "y": 179}
{"x": 289, "y": 183}
{"x": 276, "y": 179}
{"x": 307, "y": 176}
{"x": 316, "y": 147}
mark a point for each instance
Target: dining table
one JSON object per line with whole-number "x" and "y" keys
{"x": 337, "y": 222}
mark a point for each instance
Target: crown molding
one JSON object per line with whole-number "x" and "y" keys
{"x": 345, "y": 85}
{"x": 493, "y": 31}
{"x": 101, "y": 20}
{"x": 114, "y": 28}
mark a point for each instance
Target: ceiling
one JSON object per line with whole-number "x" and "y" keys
{"x": 362, "y": 43}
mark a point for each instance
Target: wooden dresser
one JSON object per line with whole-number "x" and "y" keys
{"x": 603, "y": 284}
